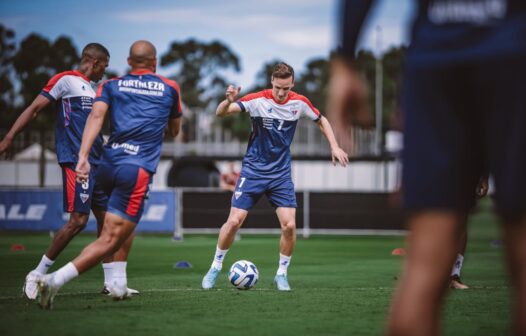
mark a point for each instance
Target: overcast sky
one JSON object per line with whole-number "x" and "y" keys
{"x": 256, "y": 30}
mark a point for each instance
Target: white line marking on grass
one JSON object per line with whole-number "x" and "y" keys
{"x": 168, "y": 290}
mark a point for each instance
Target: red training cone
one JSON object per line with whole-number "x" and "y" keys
{"x": 398, "y": 251}
{"x": 17, "y": 247}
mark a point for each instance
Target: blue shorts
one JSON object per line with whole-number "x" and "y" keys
{"x": 458, "y": 119}
{"x": 125, "y": 189}
{"x": 80, "y": 197}
{"x": 279, "y": 192}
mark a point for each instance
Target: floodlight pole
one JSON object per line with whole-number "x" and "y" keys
{"x": 378, "y": 91}
{"x": 306, "y": 214}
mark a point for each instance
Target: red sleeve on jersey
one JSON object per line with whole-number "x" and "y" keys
{"x": 295, "y": 96}
{"x": 103, "y": 93}
{"x": 53, "y": 81}
{"x": 99, "y": 89}
{"x": 255, "y": 95}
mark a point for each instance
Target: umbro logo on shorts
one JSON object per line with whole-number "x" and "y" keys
{"x": 238, "y": 194}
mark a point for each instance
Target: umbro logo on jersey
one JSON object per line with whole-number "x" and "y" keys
{"x": 269, "y": 110}
{"x": 83, "y": 88}
{"x": 238, "y": 194}
{"x": 84, "y": 197}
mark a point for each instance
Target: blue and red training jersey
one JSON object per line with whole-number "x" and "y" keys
{"x": 72, "y": 92}
{"x": 140, "y": 105}
{"x": 450, "y": 31}
{"x": 273, "y": 128}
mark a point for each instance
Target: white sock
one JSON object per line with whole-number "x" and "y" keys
{"x": 457, "y": 267}
{"x": 284, "y": 262}
{"x": 108, "y": 271}
{"x": 119, "y": 281}
{"x": 65, "y": 274}
{"x": 218, "y": 258}
{"x": 44, "y": 265}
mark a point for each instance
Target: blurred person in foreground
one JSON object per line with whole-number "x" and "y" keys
{"x": 455, "y": 281}
{"x": 142, "y": 106}
{"x": 73, "y": 95}
{"x": 266, "y": 167}
{"x": 464, "y": 104}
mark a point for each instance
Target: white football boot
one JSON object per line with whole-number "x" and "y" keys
{"x": 30, "y": 288}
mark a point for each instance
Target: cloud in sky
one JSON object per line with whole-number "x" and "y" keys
{"x": 258, "y": 31}
{"x": 305, "y": 38}
{"x": 295, "y": 32}
{"x": 256, "y": 22}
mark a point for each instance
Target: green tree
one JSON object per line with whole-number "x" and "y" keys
{"x": 199, "y": 71}
{"x": 392, "y": 64}
{"x": 35, "y": 62}
{"x": 199, "y": 68}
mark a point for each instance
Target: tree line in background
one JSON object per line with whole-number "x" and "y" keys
{"x": 199, "y": 68}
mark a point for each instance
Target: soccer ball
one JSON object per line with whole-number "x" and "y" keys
{"x": 243, "y": 274}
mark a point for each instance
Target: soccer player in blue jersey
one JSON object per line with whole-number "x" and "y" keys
{"x": 464, "y": 104}
{"x": 266, "y": 165}
{"x": 71, "y": 91}
{"x": 142, "y": 106}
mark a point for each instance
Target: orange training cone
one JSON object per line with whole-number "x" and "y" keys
{"x": 398, "y": 251}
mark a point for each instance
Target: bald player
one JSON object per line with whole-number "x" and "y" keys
{"x": 73, "y": 96}
{"x": 142, "y": 106}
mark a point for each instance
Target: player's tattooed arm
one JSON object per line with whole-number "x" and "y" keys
{"x": 227, "y": 106}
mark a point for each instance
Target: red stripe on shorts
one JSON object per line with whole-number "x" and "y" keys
{"x": 143, "y": 178}
{"x": 70, "y": 188}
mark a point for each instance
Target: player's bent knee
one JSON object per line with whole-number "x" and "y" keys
{"x": 233, "y": 224}
{"x": 111, "y": 242}
{"x": 289, "y": 228}
{"x": 76, "y": 223}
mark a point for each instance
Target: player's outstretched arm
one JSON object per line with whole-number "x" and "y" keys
{"x": 337, "y": 153}
{"x": 91, "y": 130}
{"x": 30, "y": 113}
{"x": 226, "y": 107}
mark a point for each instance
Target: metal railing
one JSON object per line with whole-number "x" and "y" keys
{"x": 218, "y": 142}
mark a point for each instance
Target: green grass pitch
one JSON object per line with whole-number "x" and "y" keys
{"x": 341, "y": 286}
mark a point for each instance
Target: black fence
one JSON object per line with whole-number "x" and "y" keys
{"x": 323, "y": 212}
